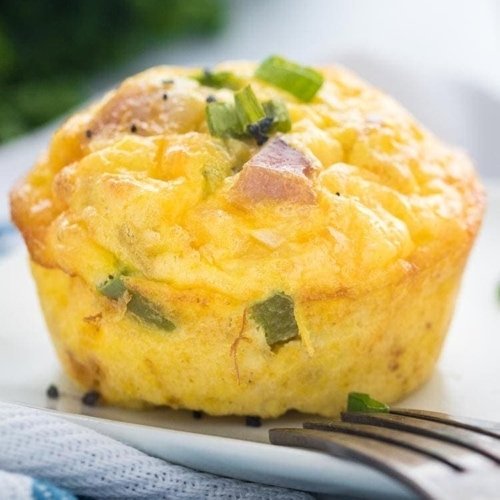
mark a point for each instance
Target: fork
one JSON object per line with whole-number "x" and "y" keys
{"x": 437, "y": 456}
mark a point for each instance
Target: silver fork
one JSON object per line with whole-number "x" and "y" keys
{"x": 437, "y": 456}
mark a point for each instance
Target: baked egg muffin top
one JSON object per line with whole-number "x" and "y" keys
{"x": 233, "y": 181}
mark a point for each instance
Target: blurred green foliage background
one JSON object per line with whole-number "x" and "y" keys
{"x": 50, "y": 48}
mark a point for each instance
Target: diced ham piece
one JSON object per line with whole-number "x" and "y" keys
{"x": 148, "y": 108}
{"x": 277, "y": 172}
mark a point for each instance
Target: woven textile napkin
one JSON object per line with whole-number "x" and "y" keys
{"x": 43, "y": 457}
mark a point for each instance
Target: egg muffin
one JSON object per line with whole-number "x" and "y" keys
{"x": 246, "y": 240}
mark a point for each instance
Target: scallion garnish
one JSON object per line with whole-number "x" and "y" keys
{"x": 247, "y": 117}
{"x": 277, "y": 110}
{"x": 300, "y": 81}
{"x": 248, "y": 107}
{"x": 219, "y": 79}
{"x": 222, "y": 120}
{"x": 358, "y": 401}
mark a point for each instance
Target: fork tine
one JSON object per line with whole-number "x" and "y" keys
{"x": 420, "y": 473}
{"x": 437, "y": 458}
{"x": 444, "y": 431}
{"x": 445, "y": 452}
{"x": 474, "y": 424}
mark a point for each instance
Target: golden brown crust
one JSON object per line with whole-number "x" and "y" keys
{"x": 368, "y": 233}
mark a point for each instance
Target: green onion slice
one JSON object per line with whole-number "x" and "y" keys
{"x": 247, "y": 117}
{"x": 248, "y": 107}
{"x": 277, "y": 110}
{"x": 219, "y": 79}
{"x": 300, "y": 81}
{"x": 358, "y": 401}
{"x": 222, "y": 119}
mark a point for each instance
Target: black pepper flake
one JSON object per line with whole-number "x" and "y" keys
{"x": 133, "y": 128}
{"x": 259, "y": 137}
{"x": 197, "y": 415}
{"x": 259, "y": 130}
{"x": 90, "y": 398}
{"x": 52, "y": 391}
{"x": 88, "y": 134}
{"x": 337, "y": 193}
{"x": 252, "y": 421}
{"x": 211, "y": 98}
{"x": 164, "y": 96}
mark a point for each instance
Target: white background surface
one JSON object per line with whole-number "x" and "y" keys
{"x": 456, "y": 37}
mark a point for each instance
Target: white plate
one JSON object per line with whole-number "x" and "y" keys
{"x": 465, "y": 382}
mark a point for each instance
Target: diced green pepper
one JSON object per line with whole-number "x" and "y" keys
{"x": 114, "y": 288}
{"x": 147, "y": 311}
{"x": 276, "y": 316}
{"x": 358, "y": 401}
